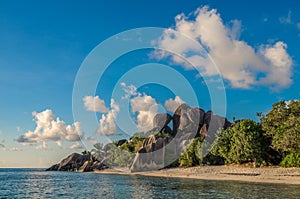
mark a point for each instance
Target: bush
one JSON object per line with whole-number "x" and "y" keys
{"x": 291, "y": 160}
{"x": 192, "y": 156}
{"x": 242, "y": 143}
{"x": 282, "y": 124}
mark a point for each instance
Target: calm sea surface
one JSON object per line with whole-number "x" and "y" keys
{"x": 36, "y": 183}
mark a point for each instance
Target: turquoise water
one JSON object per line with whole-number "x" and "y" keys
{"x": 36, "y": 183}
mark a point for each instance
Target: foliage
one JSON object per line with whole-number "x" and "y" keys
{"x": 275, "y": 140}
{"x": 85, "y": 152}
{"x": 291, "y": 160}
{"x": 192, "y": 155}
{"x": 98, "y": 153}
{"x": 118, "y": 157}
{"x": 243, "y": 142}
{"x": 282, "y": 125}
{"x": 133, "y": 145}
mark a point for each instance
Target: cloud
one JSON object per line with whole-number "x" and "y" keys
{"x": 240, "y": 64}
{"x": 43, "y": 146}
{"x": 172, "y": 104}
{"x": 50, "y": 128}
{"x": 287, "y": 19}
{"x": 77, "y": 145}
{"x": 146, "y": 108}
{"x": 107, "y": 121}
{"x": 279, "y": 65}
{"x": 298, "y": 25}
{"x": 94, "y": 104}
{"x": 130, "y": 90}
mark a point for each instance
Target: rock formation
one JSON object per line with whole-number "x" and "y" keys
{"x": 158, "y": 150}
{"x": 148, "y": 156}
{"x": 161, "y": 121}
{"x": 72, "y": 163}
{"x": 188, "y": 123}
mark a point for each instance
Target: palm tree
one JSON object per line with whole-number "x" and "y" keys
{"x": 99, "y": 152}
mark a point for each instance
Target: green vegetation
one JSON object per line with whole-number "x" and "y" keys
{"x": 282, "y": 125}
{"x": 192, "y": 155}
{"x": 275, "y": 140}
{"x": 242, "y": 143}
{"x": 291, "y": 160}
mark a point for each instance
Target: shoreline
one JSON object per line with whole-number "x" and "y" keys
{"x": 275, "y": 175}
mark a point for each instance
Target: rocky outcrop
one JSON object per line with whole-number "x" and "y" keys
{"x": 72, "y": 163}
{"x": 148, "y": 156}
{"x": 161, "y": 121}
{"x": 188, "y": 123}
{"x": 85, "y": 167}
{"x": 195, "y": 120}
{"x": 188, "y": 120}
{"x": 53, "y": 167}
{"x": 98, "y": 166}
{"x": 158, "y": 150}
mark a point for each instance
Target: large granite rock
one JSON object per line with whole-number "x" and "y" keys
{"x": 188, "y": 123}
{"x": 151, "y": 155}
{"x": 85, "y": 167}
{"x": 72, "y": 163}
{"x": 99, "y": 166}
{"x": 161, "y": 121}
{"x": 53, "y": 167}
{"x": 188, "y": 120}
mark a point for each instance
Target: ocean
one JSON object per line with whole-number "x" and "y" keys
{"x": 37, "y": 183}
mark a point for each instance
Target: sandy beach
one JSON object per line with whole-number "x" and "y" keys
{"x": 232, "y": 173}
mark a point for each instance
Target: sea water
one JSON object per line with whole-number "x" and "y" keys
{"x": 37, "y": 183}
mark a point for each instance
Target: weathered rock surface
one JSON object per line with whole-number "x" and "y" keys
{"x": 53, "y": 167}
{"x": 161, "y": 121}
{"x": 188, "y": 120}
{"x": 85, "y": 167}
{"x": 149, "y": 156}
{"x": 188, "y": 123}
{"x": 99, "y": 166}
{"x": 72, "y": 163}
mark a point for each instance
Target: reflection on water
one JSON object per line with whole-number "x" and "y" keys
{"x": 20, "y": 183}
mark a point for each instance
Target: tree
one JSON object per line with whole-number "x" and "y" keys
{"x": 282, "y": 124}
{"x": 243, "y": 142}
{"x": 192, "y": 155}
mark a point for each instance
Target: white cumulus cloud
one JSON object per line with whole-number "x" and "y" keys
{"x": 146, "y": 108}
{"x": 94, "y": 104}
{"x": 242, "y": 65}
{"x": 172, "y": 104}
{"x": 107, "y": 121}
{"x": 50, "y": 128}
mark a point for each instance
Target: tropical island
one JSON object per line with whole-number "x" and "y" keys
{"x": 202, "y": 145}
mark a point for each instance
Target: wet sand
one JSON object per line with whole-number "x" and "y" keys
{"x": 232, "y": 173}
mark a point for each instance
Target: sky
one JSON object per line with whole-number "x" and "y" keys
{"x": 70, "y": 76}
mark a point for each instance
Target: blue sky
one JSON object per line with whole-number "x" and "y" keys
{"x": 43, "y": 45}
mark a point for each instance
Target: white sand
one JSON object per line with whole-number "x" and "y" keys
{"x": 234, "y": 173}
